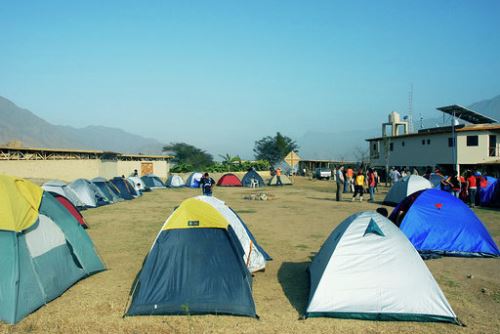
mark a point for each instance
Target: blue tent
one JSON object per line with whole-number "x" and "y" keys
{"x": 436, "y": 222}
{"x": 195, "y": 266}
{"x": 246, "y": 181}
{"x": 489, "y": 196}
{"x": 126, "y": 190}
{"x": 193, "y": 181}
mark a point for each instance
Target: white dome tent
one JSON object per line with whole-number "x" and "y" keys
{"x": 405, "y": 187}
{"x": 367, "y": 269}
{"x": 175, "y": 181}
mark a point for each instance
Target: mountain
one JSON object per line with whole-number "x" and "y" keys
{"x": 22, "y": 125}
{"x": 490, "y": 107}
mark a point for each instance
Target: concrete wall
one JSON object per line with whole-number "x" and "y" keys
{"x": 69, "y": 170}
{"x": 160, "y": 168}
{"x": 475, "y": 154}
{"x": 66, "y": 170}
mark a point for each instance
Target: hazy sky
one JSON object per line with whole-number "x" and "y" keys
{"x": 221, "y": 74}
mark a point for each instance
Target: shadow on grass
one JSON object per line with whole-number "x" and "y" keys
{"x": 322, "y": 198}
{"x": 294, "y": 280}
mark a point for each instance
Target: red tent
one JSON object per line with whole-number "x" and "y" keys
{"x": 229, "y": 180}
{"x": 71, "y": 208}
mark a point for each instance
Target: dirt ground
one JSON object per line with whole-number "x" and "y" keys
{"x": 291, "y": 227}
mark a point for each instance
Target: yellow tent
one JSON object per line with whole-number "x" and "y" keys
{"x": 19, "y": 203}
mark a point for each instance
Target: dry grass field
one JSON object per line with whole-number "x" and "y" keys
{"x": 291, "y": 227}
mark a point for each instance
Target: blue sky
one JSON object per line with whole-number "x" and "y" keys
{"x": 221, "y": 74}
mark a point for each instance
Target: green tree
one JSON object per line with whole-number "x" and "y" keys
{"x": 273, "y": 149}
{"x": 189, "y": 156}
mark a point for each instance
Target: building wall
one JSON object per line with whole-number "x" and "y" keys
{"x": 438, "y": 151}
{"x": 160, "y": 168}
{"x": 69, "y": 170}
{"x": 475, "y": 154}
{"x": 66, "y": 170}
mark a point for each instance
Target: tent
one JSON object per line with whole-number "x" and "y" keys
{"x": 490, "y": 195}
{"x": 43, "y": 249}
{"x": 124, "y": 187}
{"x": 255, "y": 257}
{"x": 71, "y": 208}
{"x": 193, "y": 181}
{"x": 404, "y": 187}
{"x": 138, "y": 184}
{"x": 229, "y": 180}
{"x": 250, "y": 176}
{"x": 437, "y": 222}
{"x": 367, "y": 269}
{"x": 436, "y": 179}
{"x": 62, "y": 188}
{"x": 284, "y": 179}
{"x": 176, "y": 278}
{"x": 175, "y": 181}
{"x": 152, "y": 181}
{"x": 106, "y": 188}
{"x": 88, "y": 193}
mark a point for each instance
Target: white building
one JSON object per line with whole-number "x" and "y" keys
{"x": 477, "y": 144}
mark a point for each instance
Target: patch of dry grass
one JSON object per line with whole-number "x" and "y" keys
{"x": 291, "y": 228}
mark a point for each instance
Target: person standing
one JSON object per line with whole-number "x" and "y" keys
{"x": 207, "y": 183}
{"x": 377, "y": 179}
{"x": 350, "y": 179}
{"x": 471, "y": 182}
{"x": 372, "y": 183}
{"x": 340, "y": 183}
{"x": 359, "y": 183}
{"x": 278, "y": 177}
{"x": 454, "y": 183}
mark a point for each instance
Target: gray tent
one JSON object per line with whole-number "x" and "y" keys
{"x": 88, "y": 193}
{"x": 61, "y": 188}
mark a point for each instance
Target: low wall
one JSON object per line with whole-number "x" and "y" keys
{"x": 69, "y": 170}
{"x": 66, "y": 170}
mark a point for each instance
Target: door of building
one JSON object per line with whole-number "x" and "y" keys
{"x": 146, "y": 168}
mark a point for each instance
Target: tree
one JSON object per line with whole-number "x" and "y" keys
{"x": 273, "y": 149}
{"x": 189, "y": 155}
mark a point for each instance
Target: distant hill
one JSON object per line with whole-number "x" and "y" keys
{"x": 17, "y": 124}
{"x": 490, "y": 107}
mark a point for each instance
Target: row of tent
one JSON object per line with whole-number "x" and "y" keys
{"x": 97, "y": 192}
{"x": 250, "y": 179}
{"x": 368, "y": 268}
{"x": 489, "y": 193}
{"x": 44, "y": 250}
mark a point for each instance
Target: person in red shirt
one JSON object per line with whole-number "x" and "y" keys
{"x": 471, "y": 188}
{"x": 371, "y": 180}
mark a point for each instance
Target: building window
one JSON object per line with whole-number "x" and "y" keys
{"x": 428, "y": 141}
{"x": 391, "y": 147}
{"x": 492, "y": 146}
{"x": 423, "y": 141}
{"x": 375, "y": 147}
{"x": 472, "y": 141}
{"x": 450, "y": 142}
{"x": 403, "y": 143}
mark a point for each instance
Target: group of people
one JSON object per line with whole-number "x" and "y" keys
{"x": 465, "y": 187}
{"x": 349, "y": 181}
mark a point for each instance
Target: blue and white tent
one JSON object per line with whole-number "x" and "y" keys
{"x": 367, "y": 269}
{"x": 405, "y": 187}
{"x": 193, "y": 181}
{"x": 436, "y": 222}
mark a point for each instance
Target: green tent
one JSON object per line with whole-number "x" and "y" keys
{"x": 43, "y": 251}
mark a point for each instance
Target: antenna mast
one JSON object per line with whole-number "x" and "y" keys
{"x": 410, "y": 109}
